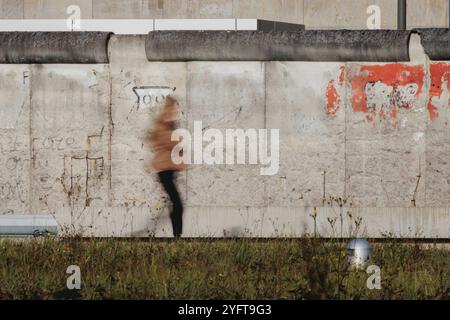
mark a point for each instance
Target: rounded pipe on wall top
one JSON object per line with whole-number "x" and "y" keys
{"x": 54, "y": 47}
{"x": 310, "y": 45}
{"x": 436, "y": 42}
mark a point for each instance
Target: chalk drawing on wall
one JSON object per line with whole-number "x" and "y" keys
{"x": 151, "y": 96}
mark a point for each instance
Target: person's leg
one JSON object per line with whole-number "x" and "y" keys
{"x": 176, "y": 215}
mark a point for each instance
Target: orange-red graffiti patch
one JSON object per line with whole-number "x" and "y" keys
{"x": 332, "y": 94}
{"x": 333, "y": 99}
{"x": 440, "y": 73}
{"x": 383, "y": 90}
{"x": 395, "y": 79}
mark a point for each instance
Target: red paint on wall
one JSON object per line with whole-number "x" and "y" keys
{"x": 440, "y": 72}
{"x": 332, "y": 94}
{"x": 394, "y": 75}
{"x": 333, "y": 99}
{"x": 342, "y": 76}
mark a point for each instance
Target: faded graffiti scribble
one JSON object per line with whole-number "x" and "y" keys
{"x": 10, "y": 142}
{"x": 53, "y": 143}
{"x": 82, "y": 178}
{"x": 12, "y": 190}
{"x": 150, "y": 96}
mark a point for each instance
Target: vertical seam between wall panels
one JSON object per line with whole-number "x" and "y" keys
{"x": 188, "y": 110}
{"x": 427, "y": 66}
{"x": 266, "y": 178}
{"x": 111, "y": 129}
{"x": 345, "y": 130}
{"x": 30, "y": 133}
{"x": 265, "y": 122}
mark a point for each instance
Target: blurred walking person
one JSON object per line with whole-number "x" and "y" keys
{"x": 160, "y": 139}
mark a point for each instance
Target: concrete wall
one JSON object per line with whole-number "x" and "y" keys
{"x": 315, "y": 14}
{"x": 15, "y": 160}
{"x": 373, "y": 134}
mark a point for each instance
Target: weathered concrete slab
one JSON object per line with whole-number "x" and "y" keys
{"x": 404, "y": 222}
{"x": 347, "y": 14}
{"x": 437, "y": 164}
{"x": 11, "y": 9}
{"x": 385, "y": 134}
{"x": 69, "y": 136}
{"x": 15, "y": 139}
{"x": 131, "y": 9}
{"x": 138, "y": 90}
{"x": 286, "y": 11}
{"x": 306, "y": 102}
{"x": 427, "y": 14}
{"x": 55, "y": 9}
{"x": 218, "y": 221}
{"x": 167, "y": 9}
{"x": 197, "y": 9}
{"x": 226, "y": 95}
{"x": 270, "y": 222}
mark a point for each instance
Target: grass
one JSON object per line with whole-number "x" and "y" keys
{"x": 217, "y": 269}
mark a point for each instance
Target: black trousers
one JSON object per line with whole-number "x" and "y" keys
{"x": 176, "y": 215}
